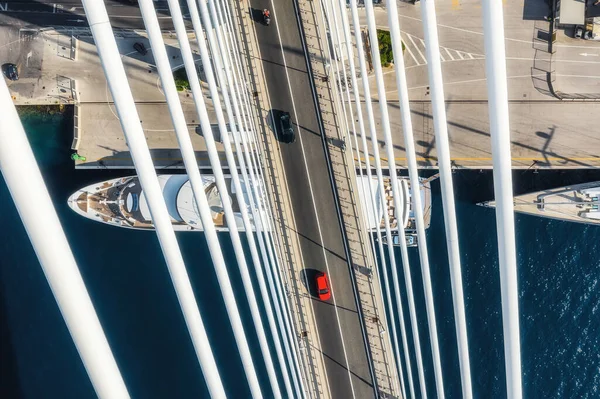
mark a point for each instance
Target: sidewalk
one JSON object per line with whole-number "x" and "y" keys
{"x": 365, "y": 274}
{"x": 49, "y": 61}
{"x": 289, "y": 253}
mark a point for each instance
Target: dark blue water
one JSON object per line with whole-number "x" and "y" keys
{"x": 129, "y": 284}
{"x": 130, "y": 287}
{"x": 559, "y": 296}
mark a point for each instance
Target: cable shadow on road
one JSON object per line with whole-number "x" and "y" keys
{"x": 282, "y": 65}
{"x": 318, "y": 244}
{"x": 368, "y": 382}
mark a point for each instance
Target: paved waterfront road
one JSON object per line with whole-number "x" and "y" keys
{"x": 42, "y": 13}
{"x": 312, "y": 201}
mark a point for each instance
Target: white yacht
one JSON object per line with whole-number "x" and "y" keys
{"x": 121, "y": 202}
{"x": 404, "y": 217}
{"x": 576, "y": 203}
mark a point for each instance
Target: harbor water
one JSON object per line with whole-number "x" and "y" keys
{"x": 559, "y": 295}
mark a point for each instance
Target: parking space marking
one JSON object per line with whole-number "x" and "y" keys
{"x": 407, "y": 47}
{"x": 417, "y": 48}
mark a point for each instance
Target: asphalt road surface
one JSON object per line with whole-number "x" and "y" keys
{"x": 313, "y": 204}
{"x": 123, "y": 14}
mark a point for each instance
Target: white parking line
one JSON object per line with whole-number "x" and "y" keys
{"x": 407, "y": 47}
{"x": 313, "y": 196}
{"x": 449, "y": 53}
{"x": 460, "y": 55}
{"x": 417, "y": 48}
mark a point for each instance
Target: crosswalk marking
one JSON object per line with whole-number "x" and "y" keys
{"x": 417, "y": 48}
{"x": 407, "y": 47}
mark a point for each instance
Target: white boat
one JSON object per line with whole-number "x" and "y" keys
{"x": 576, "y": 203}
{"x": 122, "y": 202}
{"x": 403, "y": 217}
{"x": 410, "y": 238}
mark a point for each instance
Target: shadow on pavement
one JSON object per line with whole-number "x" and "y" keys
{"x": 257, "y": 16}
{"x": 308, "y": 277}
{"x": 536, "y": 10}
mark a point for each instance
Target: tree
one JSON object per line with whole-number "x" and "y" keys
{"x": 385, "y": 47}
{"x": 386, "y": 52}
{"x": 181, "y": 79}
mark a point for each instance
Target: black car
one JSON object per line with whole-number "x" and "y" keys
{"x": 10, "y": 71}
{"x": 140, "y": 48}
{"x": 286, "y": 133}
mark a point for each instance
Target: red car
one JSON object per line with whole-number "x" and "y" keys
{"x": 323, "y": 287}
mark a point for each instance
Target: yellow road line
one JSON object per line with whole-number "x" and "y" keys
{"x": 455, "y": 4}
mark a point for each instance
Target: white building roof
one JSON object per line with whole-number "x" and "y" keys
{"x": 571, "y": 12}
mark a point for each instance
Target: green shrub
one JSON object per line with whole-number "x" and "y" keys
{"x": 181, "y": 79}
{"x": 385, "y": 47}
{"x": 386, "y": 52}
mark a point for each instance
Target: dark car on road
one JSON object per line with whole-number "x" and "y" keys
{"x": 140, "y": 48}
{"x": 10, "y": 71}
{"x": 286, "y": 133}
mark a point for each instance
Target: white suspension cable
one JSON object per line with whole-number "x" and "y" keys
{"x": 233, "y": 313}
{"x": 450, "y": 222}
{"x": 181, "y": 129}
{"x": 373, "y": 130}
{"x": 249, "y": 155}
{"x": 436, "y": 83}
{"x": 371, "y": 200}
{"x": 18, "y": 165}
{"x": 130, "y": 122}
{"x": 274, "y": 242}
{"x": 273, "y": 262}
{"x": 252, "y": 189}
{"x": 274, "y": 268}
{"x": 328, "y": 13}
{"x": 495, "y": 62}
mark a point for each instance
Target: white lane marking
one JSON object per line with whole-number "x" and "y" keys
{"x": 466, "y": 30}
{"x": 449, "y": 53}
{"x": 417, "y": 48}
{"x": 442, "y": 57}
{"x": 478, "y": 80}
{"x": 407, "y": 47}
{"x": 273, "y": 123}
{"x": 470, "y": 55}
{"x": 312, "y": 194}
{"x": 569, "y": 61}
{"x": 460, "y": 55}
